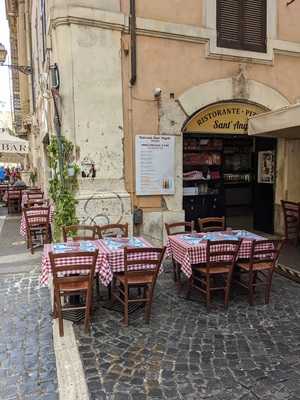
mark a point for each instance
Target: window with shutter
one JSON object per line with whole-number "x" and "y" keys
{"x": 241, "y": 24}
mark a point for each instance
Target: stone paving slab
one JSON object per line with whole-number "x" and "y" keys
{"x": 27, "y": 360}
{"x": 245, "y": 353}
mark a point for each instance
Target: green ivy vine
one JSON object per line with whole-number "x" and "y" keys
{"x": 63, "y": 184}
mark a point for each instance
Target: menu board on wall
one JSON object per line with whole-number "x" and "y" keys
{"x": 155, "y": 165}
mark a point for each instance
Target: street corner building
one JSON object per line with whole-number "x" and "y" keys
{"x": 157, "y": 97}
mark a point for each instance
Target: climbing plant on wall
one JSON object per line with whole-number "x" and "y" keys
{"x": 63, "y": 183}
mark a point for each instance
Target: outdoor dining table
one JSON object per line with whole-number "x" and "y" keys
{"x": 110, "y": 257}
{"x": 189, "y": 249}
{"x": 23, "y": 226}
{"x": 69, "y": 247}
{"x": 114, "y": 250}
{"x": 24, "y": 200}
{"x": 14, "y": 194}
{"x": 3, "y": 189}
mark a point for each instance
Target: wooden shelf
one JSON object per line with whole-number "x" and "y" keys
{"x": 202, "y": 195}
{"x": 202, "y": 165}
{"x": 238, "y": 172}
{"x": 202, "y": 150}
{"x": 202, "y": 180}
{"x": 236, "y": 183}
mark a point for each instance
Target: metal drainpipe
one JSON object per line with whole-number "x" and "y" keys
{"x": 59, "y": 143}
{"x": 29, "y": 53}
{"x": 132, "y": 27}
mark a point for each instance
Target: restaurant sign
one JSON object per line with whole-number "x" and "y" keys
{"x": 226, "y": 117}
{"x": 19, "y": 148}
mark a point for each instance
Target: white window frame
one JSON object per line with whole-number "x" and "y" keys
{"x": 210, "y": 18}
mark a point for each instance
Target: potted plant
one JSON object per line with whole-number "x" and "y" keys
{"x": 33, "y": 177}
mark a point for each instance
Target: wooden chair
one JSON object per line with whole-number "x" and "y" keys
{"x": 37, "y": 203}
{"x": 3, "y": 189}
{"x": 35, "y": 195}
{"x": 37, "y": 226}
{"x": 211, "y": 224}
{"x": 112, "y": 230}
{"x": 81, "y": 284}
{"x": 221, "y": 257}
{"x": 178, "y": 228}
{"x": 260, "y": 268}
{"x": 79, "y": 232}
{"x": 291, "y": 214}
{"x": 14, "y": 197}
{"x": 82, "y": 232}
{"x": 140, "y": 271}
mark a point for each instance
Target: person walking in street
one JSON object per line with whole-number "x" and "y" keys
{"x": 2, "y": 174}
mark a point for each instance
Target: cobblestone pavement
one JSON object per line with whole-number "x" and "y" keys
{"x": 246, "y": 353}
{"x": 27, "y": 360}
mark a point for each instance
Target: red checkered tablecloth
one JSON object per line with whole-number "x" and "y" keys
{"x": 115, "y": 258}
{"x": 109, "y": 261}
{"x": 33, "y": 196}
{"x": 14, "y": 194}
{"x": 3, "y": 189}
{"x": 101, "y": 263}
{"x": 23, "y": 227}
{"x": 187, "y": 254}
{"x": 24, "y": 200}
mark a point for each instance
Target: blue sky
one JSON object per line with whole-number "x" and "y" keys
{"x": 4, "y": 71}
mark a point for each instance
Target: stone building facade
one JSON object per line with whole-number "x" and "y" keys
{"x": 114, "y": 55}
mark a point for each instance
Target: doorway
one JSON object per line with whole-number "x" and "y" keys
{"x": 231, "y": 175}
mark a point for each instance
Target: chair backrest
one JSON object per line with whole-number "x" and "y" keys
{"x": 112, "y": 230}
{"x": 37, "y": 216}
{"x": 80, "y": 262}
{"x": 211, "y": 224}
{"x": 143, "y": 261}
{"x": 291, "y": 214}
{"x": 265, "y": 251}
{"x": 14, "y": 194}
{"x": 37, "y": 203}
{"x": 223, "y": 252}
{"x": 79, "y": 232}
{"x": 35, "y": 195}
{"x": 177, "y": 228}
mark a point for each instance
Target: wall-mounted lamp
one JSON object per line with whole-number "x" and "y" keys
{"x": 24, "y": 69}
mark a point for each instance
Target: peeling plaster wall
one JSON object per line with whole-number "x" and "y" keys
{"x": 91, "y": 92}
{"x": 89, "y": 59}
{"x": 104, "y": 208}
{"x": 98, "y": 98}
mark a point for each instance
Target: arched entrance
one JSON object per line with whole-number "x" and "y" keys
{"x": 226, "y": 172}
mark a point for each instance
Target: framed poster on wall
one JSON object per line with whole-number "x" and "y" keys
{"x": 266, "y": 167}
{"x": 155, "y": 165}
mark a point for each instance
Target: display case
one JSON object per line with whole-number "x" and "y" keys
{"x": 217, "y": 175}
{"x": 203, "y": 193}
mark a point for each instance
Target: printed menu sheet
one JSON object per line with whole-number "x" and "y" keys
{"x": 155, "y": 164}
